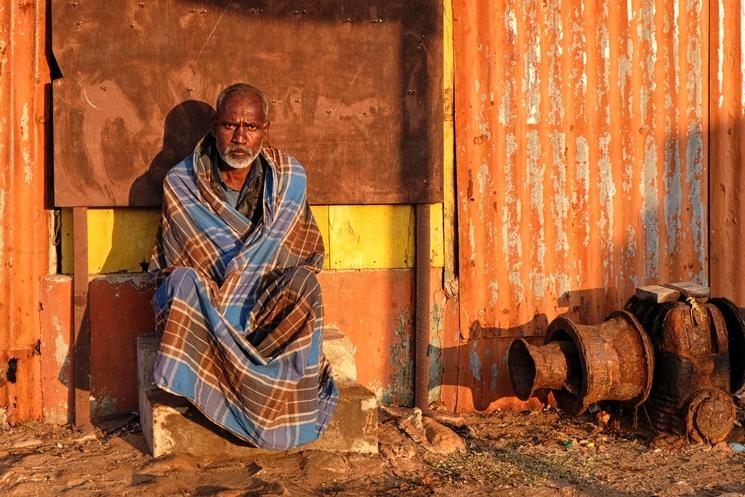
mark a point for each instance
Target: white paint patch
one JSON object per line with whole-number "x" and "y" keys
{"x": 60, "y": 346}
{"x": 607, "y": 189}
{"x": 630, "y": 249}
{"x": 536, "y": 171}
{"x": 483, "y": 178}
{"x": 484, "y": 129}
{"x": 538, "y": 282}
{"x": 511, "y": 246}
{"x": 649, "y": 191}
{"x": 493, "y": 292}
{"x": 28, "y": 172}
{"x": 720, "y": 53}
{"x": 742, "y": 51}
{"x": 560, "y": 196}
{"x": 583, "y": 182}
{"x": 510, "y": 22}
{"x": 506, "y": 112}
{"x": 516, "y": 283}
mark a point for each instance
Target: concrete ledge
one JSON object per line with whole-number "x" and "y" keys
{"x": 171, "y": 425}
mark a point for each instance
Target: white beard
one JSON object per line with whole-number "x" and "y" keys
{"x": 240, "y": 162}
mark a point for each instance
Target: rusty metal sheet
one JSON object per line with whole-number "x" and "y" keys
{"x": 355, "y": 90}
{"x": 24, "y": 241}
{"x": 727, "y": 175}
{"x": 581, "y": 159}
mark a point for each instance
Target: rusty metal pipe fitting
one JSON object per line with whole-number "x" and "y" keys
{"x": 611, "y": 361}
{"x": 548, "y": 367}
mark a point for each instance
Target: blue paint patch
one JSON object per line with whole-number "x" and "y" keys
{"x": 475, "y": 363}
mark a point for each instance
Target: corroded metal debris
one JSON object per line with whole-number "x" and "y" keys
{"x": 681, "y": 361}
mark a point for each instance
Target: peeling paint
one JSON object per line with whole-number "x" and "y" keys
{"x": 475, "y": 362}
{"x": 400, "y": 389}
{"x": 28, "y": 171}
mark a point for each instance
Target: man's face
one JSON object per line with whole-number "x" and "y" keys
{"x": 240, "y": 129}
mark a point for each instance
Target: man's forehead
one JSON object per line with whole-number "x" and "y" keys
{"x": 242, "y": 103}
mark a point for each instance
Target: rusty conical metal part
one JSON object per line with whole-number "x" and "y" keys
{"x": 586, "y": 364}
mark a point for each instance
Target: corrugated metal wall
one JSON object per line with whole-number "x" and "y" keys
{"x": 581, "y": 152}
{"x": 727, "y": 134}
{"x": 24, "y": 254}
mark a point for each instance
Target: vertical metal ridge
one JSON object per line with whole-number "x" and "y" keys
{"x": 580, "y": 158}
{"x": 23, "y": 237}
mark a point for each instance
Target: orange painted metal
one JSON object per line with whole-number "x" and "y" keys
{"x": 24, "y": 256}
{"x": 727, "y": 134}
{"x": 581, "y": 165}
{"x": 375, "y": 309}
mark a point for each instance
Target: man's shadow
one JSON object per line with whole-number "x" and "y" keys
{"x": 184, "y": 126}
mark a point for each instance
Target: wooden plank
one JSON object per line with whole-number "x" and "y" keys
{"x": 660, "y": 293}
{"x": 81, "y": 329}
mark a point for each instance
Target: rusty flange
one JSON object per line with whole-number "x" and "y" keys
{"x": 616, "y": 361}
{"x": 710, "y": 415}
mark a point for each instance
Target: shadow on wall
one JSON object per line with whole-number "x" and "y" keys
{"x": 185, "y": 125}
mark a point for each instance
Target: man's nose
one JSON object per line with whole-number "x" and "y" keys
{"x": 240, "y": 135}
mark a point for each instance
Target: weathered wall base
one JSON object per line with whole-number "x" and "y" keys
{"x": 374, "y": 308}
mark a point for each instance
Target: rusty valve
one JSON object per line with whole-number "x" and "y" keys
{"x": 691, "y": 392}
{"x": 586, "y": 364}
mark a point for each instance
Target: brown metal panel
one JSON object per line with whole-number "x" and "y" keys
{"x": 355, "y": 89}
{"x": 581, "y": 145}
{"x": 24, "y": 254}
{"x": 727, "y": 133}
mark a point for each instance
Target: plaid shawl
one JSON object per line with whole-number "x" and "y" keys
{"x": 239, "y": 306}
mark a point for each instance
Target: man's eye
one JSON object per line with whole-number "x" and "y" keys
{"x": 229, "y": 126}
{"x": 252, "y": 127}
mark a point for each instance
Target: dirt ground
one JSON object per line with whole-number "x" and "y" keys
{"x": 535, "y": 453}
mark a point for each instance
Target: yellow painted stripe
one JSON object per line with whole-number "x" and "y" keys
{"x": 448, "y": 138}
{"x": 371, "y": 236}
{"x": 119, "y": 240}
{"x": 364, "y": 237}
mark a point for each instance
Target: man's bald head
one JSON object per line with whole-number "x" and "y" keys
{"x": 242, "y": 90}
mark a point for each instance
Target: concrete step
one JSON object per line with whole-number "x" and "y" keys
{"x": 171, "y": 425}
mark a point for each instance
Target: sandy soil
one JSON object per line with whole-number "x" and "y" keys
{"x": 539, "y": 453}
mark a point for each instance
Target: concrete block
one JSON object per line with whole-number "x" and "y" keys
{"x": 171, "y": 425}
{"x": 340, "y": 351}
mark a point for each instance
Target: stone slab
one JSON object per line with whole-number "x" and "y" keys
{"x": 171, "y": 425}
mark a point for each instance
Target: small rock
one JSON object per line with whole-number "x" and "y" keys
{"x": 75, "y": 482}
{"x": 26, "y": 443}
{"x": 723, "y": 447}
{"x": 87, "y": 437}
{"x": 442, "y": 439}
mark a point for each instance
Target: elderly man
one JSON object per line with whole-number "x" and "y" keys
{"x": 239, "y": 306}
